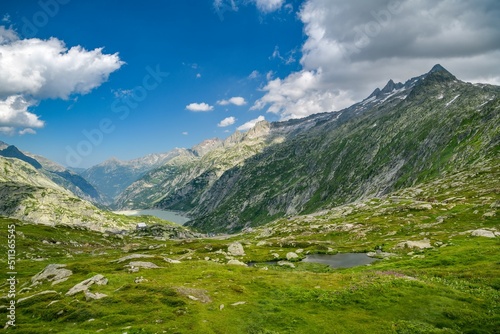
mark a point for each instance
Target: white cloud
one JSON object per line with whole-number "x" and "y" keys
{"x": 226, "y": 122}
{"x": 198, "y": 75}
{"x": 250, "y": 124}
{"x": 254, "y": 75}
{"x": 268, "y": 6}
{"x": 269, "y": 75}
{"x": 27, "y": 131}
{"x": 6, "y": 18}
{"x": 185, "y": 133}
{"x": 237, "y": 101}
{"x": 35, "y": 69}
{"x": 14, "y": 113}
{"x": 199, "y": 107}
{"x": 264, "y": 6}
{"x": 353, "y": 47}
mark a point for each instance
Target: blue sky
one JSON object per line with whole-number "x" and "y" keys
{"x": 173, "y": 73}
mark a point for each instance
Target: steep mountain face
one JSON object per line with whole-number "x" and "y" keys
{"x": 405, "y": 133}
{"x": 113, "y": 176}
{"x": 57, "y": 173}
{"x": 29, "y": 195}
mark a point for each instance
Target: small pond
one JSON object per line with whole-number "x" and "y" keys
{"x": 340, "y": 260}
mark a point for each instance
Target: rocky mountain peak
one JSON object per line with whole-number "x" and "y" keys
{"x": 206, "y": 146}
{"x": 439, "y": 74}
{"x": 260, "y": 129}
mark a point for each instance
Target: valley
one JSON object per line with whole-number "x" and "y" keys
{"x": 410, "y": 176}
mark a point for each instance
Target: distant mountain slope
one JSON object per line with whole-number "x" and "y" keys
{"x": 13, "y": 152}
{"x": 113, "y": 176}
{"x": 57, "y": 173}
{"x": 27, "y": 194}
{"x": 400, "y": 135}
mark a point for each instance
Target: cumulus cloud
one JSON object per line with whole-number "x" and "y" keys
{"x": 226, "y": 122}
{"x": 353, "y": 47}
{"x": 237, "y": 101}
{"x": 35, "y": 69}
{"x": 250, "y": 124}
{"x": 199, "y": 107}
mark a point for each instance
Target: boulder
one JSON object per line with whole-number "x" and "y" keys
{"x": 236, "y": 249}
{"x": 291, "y": 256}
{"x": 415, "y": 244}
{"x": 85, "y": 285}
{"x": 54, "y": 273}
{"x": 236, "y": 263}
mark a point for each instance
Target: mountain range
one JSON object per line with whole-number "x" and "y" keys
{"x": 403, "y": 134}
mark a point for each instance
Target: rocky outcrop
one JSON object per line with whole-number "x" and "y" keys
{"x": 55, "y": 273}
{"x": 86, "y": 284}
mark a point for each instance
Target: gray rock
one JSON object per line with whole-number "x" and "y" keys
{"x": 20, "y": 300}
{"x": 483, "y": 233}
{"x": 415, "y": 244}
{"x": 291, "y": 256}
{"x": 132, "y": 256}
{"x": 171, "y": 261}
{"x": 236, "y": 263}
{"x": 53, "y": 273}
{"x": 286, "y": 264}
{"x": 84, "y": 286}
{"x": 236, "y": 249}
{"x": 141, "y": 264}
{"x": 94, "y": 296}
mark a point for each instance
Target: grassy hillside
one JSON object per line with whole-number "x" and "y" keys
{"x": 453, "y": 286}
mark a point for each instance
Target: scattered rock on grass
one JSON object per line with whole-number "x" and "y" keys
{"x": 236, "y": 249}
{"x": 54, "y": 273}
{"x": 415, "y": 244}
{"x": 84, "y": 286}
{"x": 236, "y": 263}
{"x": 483, "y": 233}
